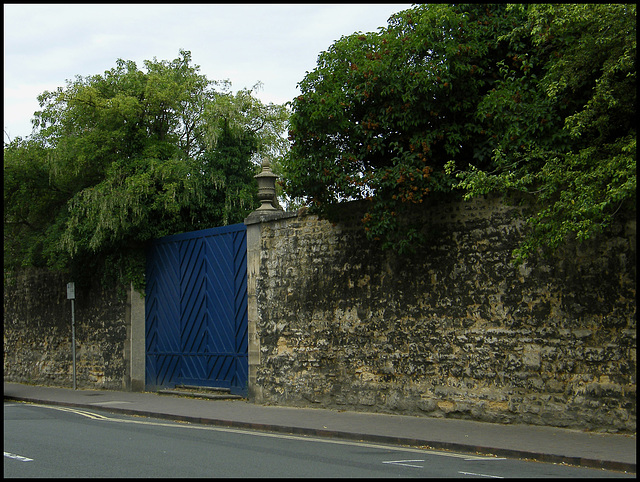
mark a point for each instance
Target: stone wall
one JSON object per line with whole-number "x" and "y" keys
{"x": 453, "y": 331}
{"x": 37, "y": 333}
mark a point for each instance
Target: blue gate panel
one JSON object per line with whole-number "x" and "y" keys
{"x": 196, "y": 309}
{"x": 162, "y": 301}
{"x": 163, "y": 369}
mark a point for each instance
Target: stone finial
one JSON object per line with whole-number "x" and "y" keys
{"x": 266, "y": 187}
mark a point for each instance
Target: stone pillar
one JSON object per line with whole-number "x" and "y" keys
{"x": 269, "y": 210}
{"x": 255, "y": 221}
{"x": 137, "y": 341}
{"x": 253, "y": 268}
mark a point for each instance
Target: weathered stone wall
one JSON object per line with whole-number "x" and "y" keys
{"x": 37, "y": 333}
{"x": 454, "y": 331}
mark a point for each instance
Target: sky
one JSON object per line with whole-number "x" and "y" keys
{"x": 275, "y": 44}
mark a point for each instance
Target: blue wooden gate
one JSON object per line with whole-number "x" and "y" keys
{"x": 196, "y": 310}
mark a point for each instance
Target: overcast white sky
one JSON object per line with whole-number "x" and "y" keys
{"x": 44, "y": 45}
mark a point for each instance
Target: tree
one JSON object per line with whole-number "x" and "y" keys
{"x": 383, "y": 112}
{"x": 29, "y": 200}
{"x": 580, "y": 78}
{"x": 472, "y": 97}
{"x": 121, "y": 158}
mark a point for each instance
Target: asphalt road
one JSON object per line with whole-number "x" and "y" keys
{"x": 54, "y": 441}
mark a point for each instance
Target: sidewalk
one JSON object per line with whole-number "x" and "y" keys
{"x": 545, "y": 444}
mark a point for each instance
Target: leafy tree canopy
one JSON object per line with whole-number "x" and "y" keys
{"x": 121, "y": 158}
{"x": 534, "y": 100}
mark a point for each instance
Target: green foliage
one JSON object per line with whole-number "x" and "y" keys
{"x": 537, "y": 100}
{"x": 571, "y": 148}
{"x": 121, "y": 158}
{"x": 29, "y": 201}
{"x": 384, "y": 112}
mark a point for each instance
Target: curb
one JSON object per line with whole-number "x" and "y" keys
{"x": 418, "y": 443}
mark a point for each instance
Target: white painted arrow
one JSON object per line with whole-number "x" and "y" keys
{"x": 17, "y": 457}
{"x": 403, "y": 462}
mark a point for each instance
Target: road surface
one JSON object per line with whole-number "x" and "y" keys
{"x": 54, "y": 441}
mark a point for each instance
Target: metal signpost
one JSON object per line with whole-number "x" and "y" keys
{"x": 71, "y": 295}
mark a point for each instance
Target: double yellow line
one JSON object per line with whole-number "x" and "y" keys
{"x": 91, "y": 415}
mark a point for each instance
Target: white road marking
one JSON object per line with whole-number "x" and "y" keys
{"x": 402, "y": 462}
{"x": 481, "y": 475}
{"x": 17, "y": 457}
{"x": 187, "y": 425}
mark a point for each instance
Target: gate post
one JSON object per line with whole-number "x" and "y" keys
{"x": 254, "y": 223}
{"x": 270, "y": 210}
{"x": 253, "y": 268}
{"x": 137, "y": 340}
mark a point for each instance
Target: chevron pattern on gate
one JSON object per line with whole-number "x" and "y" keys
{"x": 196, "y": 310}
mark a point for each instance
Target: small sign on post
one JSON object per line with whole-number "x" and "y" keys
{"x": 71, "y": 295}
{"x": 71, "y": 291}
